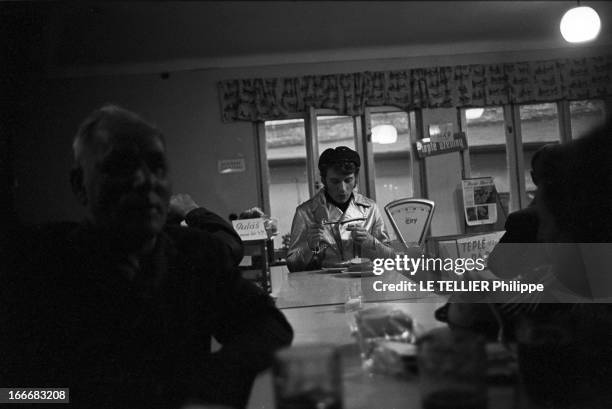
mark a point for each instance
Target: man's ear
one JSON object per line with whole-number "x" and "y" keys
{"x": 78, "y": 185}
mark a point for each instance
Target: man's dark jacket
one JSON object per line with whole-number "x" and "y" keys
{"x": 522, "y": 226}
{"x": 70, "y": 317}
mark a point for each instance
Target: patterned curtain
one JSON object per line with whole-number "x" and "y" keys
{"x": 263, "y": 99}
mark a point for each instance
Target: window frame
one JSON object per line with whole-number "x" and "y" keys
{"x": 363, "y": 142}
{"x": 363, "y": 145}
{"x": 515, "y": 146}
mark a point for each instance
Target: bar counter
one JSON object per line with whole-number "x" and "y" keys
{"x": 314, "y": 305}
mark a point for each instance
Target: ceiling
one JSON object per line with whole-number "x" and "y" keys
{"x": 110, "y": 33}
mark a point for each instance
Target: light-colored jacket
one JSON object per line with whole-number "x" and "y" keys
{"x": 337, "y": 244}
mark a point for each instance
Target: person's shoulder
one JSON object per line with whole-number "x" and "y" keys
{"x": 527, "y": 215}
{"x": 318, "y": 198}
{"x": 521, "y": 226}
{"x": 315, "y": 201}
{"x": 363, "y": 200}
{"x": 200, "y": 247}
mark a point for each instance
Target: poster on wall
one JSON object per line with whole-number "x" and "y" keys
{"x": 479, "y": 201}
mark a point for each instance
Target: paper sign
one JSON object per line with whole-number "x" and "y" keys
{"x": 469, "y": 247}
{"x": 479, "y": 246}
{"x": 250, "y": 229}
{"x": 231, "y": 165}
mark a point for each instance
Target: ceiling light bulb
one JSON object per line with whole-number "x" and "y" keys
{"x": 474, "y": 113}
{"x": 580, "y": 24}
{"x": 384, "y": 134}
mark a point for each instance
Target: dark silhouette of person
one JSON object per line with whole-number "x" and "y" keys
{"x": 121, "y": 308}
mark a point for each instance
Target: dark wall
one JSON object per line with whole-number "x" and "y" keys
{"x": 21, "y": 33}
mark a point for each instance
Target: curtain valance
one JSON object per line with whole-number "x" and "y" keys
{"x": 479, "y": 85}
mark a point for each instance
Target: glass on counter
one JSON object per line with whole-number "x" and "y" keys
{"x": 353, "y": 304}
{"x": 452, "y": 369}
{"x": 385, "y": 336}
{"x": 308, "y": 377}
{"x": 271, "y": 226}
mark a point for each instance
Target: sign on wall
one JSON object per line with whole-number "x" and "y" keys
{"x": 231, "y": 165}
{"x": 250, "y": 229}
{"x": 473, "y": 246}
{"x": 442, "y": 144}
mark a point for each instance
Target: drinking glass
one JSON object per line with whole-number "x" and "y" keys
{"x": 452, "y": 369}
{"x": 271, "y": 226}
{"x": 353, "y": 304}
{"x": 308, "y": 377}
{"x": 377, "y": 325}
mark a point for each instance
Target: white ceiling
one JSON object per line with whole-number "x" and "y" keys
{"x": 152, "y": 32}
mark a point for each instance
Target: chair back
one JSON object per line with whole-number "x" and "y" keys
{"x": 410, "y": 219}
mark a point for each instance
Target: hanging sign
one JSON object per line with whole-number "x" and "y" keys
{"x": 441, "y": 145}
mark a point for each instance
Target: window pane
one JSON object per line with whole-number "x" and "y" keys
{"x": 335, "y": 131}
{"x": 391, "y": 161}
{"x": 539, "y": 125}
{"x": 487, "y": 143}
{"x": 286, "y": 152}
{"x": 586, "y": 115}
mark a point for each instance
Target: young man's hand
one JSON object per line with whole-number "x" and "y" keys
{"x": 359, "y": 234}
{"x": 315, "y": 236}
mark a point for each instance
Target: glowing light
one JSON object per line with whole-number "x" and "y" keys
{"x": 474, "y": 113}
{"x": 580, "y": 24}
{"x": 384, "y": 134}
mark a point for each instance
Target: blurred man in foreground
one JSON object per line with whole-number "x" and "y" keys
{"x": 120, "y": 308}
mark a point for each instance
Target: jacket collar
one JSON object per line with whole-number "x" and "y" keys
{"x": 361, "y": 200}
{"x": 358, "y": 199}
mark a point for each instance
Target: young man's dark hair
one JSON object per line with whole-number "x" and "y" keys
{"x": 342, "y": 159}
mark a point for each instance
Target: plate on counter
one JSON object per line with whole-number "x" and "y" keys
{"x": 339, "y": 264}
{"x": 331, "y": 270}
{"x": 367, "y": 273}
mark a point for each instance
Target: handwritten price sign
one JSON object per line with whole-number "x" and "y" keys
{"x": 250, "y": 229}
